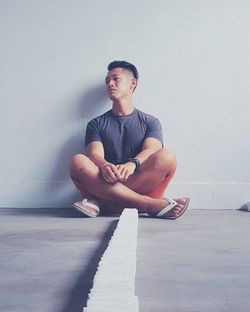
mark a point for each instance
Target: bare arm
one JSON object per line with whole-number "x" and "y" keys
{"x": 112, "y": 173}
{"x": 95, "y": 152}
{"x": 150, "y": 146}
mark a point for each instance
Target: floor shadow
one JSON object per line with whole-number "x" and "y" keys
{"x": 42, "y": 212}
{"x": 49, "y": 212}
{"x": 78, "y": 296}
{"x": 55, "y": 212}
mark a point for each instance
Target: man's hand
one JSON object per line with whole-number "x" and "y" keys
{"x": 113, "y": 173}
{"x": 110, "y": 173}
{"x": 125, "y": 170}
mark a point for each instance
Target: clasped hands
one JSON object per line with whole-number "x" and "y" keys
{"x": 113, "y": 173}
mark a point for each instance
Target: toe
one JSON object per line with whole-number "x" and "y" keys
{"x": 174, "y": 211}
{"x": 181, "y": 201}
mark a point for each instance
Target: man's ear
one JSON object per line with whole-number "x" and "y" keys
{"x": 133, "y": 83}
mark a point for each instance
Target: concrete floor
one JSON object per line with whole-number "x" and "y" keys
{"x": 200, "y": 262}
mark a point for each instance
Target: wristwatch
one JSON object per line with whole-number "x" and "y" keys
{"x": 136, "y": 162}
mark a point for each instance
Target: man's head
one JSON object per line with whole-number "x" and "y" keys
{"x": 125, "y": 65}
{"x": 121, "y": 79}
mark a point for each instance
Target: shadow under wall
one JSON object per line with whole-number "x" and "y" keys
{"x": 78, "y": 297}
{"x": 94, "y": 101}
{"x": 91, "y": 104}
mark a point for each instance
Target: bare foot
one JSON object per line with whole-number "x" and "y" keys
{"x": 176, "y": 211}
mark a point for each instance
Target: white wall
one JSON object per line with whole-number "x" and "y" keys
{"x": 194, "y": 63}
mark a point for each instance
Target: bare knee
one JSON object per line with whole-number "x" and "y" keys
{"x": 165, "y": 160}
{"x": 78, "y": 163}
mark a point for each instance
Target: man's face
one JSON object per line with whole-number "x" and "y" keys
{"x": 120, "y": 83}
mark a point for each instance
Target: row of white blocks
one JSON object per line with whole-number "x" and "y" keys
{"x": 114, "y": 283}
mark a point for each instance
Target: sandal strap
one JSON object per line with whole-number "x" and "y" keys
{"x": 171, "y": 205}
{"x": 91, "y": 205}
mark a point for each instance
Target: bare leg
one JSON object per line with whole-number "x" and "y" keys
{"x": 85, "y": 173}
{"x": 86, "y": 176}
{"x": 156, "y": 169}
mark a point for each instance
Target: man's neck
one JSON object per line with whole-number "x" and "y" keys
{"x": 122, "y": 107}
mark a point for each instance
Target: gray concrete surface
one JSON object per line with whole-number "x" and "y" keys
{"x": 200, "y": 262}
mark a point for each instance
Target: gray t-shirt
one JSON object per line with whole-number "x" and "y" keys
{"x": 123, "y": 136}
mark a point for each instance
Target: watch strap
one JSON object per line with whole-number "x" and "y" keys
{"x": 136, "y": 162}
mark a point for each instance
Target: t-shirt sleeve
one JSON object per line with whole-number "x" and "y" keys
{"x": 92, "y": 132}
{"x": 154, "y": 129}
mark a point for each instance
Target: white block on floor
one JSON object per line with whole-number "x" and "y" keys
{"x": 114, "y": 283}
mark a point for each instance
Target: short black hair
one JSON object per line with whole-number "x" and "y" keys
{"x": 125, "y": 65}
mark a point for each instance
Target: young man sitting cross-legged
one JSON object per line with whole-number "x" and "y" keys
{"x": 126, "y": 165}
